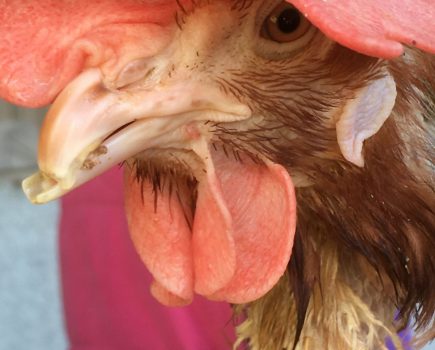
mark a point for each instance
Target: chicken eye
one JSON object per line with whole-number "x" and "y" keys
{"x": 284, "y": 24}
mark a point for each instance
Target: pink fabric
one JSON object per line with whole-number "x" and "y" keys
{"x": 106, "y": 287}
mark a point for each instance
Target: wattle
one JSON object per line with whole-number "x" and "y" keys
{"x": 241, "y": 238}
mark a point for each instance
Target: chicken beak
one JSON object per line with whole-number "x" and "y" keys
{"x": 90, "y": 128}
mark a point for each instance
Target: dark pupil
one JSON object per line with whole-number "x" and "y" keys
{"x": 289, "y": 20}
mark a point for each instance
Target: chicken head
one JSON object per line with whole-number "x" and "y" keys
{"x": 226, "y": 113}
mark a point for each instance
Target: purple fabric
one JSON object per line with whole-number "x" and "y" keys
{"x": 106, "y": 287}
{"x": 406, "y": 337}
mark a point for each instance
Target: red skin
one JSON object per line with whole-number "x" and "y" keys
{"x": 42, "y": 49}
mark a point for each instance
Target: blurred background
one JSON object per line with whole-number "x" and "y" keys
{"x": 30, "y": 305}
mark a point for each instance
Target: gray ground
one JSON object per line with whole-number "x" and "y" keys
{"x": 30, "y": 311}
{"x": 30, "y": 307}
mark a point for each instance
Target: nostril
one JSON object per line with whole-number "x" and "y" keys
{"x": 134, "y": 72}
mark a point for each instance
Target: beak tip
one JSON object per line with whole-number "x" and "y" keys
{"x": 40, "y": 188}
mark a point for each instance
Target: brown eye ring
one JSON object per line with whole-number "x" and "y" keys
{"x": 285, "y": 24}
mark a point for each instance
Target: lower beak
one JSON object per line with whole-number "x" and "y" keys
{"x": 91, "y": 128}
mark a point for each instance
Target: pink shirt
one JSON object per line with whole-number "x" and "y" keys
{"x": 106, "y": 286}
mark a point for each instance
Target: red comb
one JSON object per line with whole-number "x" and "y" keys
{"x": 35, "y": 36}
{"x": 375, "y": 28}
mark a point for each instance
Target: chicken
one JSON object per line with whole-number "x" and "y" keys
{"x": 278, "y": 156}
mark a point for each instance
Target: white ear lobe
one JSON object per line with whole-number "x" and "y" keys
{"x": 364, "y": 116}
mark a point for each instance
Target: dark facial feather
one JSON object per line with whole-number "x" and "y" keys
{"x": 384, "y": 212}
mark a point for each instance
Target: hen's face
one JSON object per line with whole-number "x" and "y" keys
{"x": 255, "y": 75}
{"x": 238, "y": 101}
{"x": 219, "y": 110}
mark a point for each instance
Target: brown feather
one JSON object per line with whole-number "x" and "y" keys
{"x": 378, "y": 220}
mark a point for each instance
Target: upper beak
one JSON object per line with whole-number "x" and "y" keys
{"x": 90, "y": 128}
